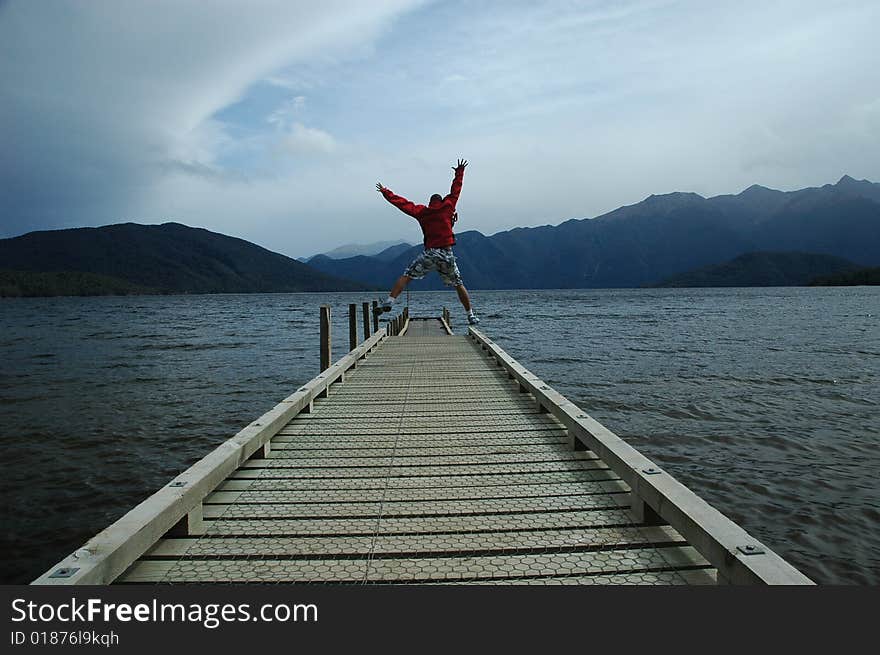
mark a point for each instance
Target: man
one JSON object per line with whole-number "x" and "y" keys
{"x": 436, "y": 221}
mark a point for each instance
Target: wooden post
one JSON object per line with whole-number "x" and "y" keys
{"x": 192, "y": 524}
{"x": 643, "y": 512}
{"x": 375, "y": 316}
{"x": 352, "y": 326}
{"x": 325, "y": 337}
{"x": 366, "y": 309}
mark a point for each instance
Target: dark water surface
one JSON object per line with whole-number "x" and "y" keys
{"x": 763, "y": 401}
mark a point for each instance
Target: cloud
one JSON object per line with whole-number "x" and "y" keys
{"x": 306, "y": 140}
{"x": 255, "y": 118}
{"x": 285, "y": 114}
{"x": 127, "y": 92}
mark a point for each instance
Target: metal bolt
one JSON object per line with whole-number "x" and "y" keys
{"x": 651, "y": 471}
{"x": 179, "y": 483}
{"x": 65, "y": 572}
{"x": 750, "y": 549}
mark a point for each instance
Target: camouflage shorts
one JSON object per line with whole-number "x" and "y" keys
{"x": 435, "y": 259}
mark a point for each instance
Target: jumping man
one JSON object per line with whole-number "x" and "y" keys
{"x": 436, "y": 221}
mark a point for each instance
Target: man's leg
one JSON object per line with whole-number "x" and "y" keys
{"x": 450, "y": 275}
{"x": 466, "y": 303}
{"x": 399, "y": 286}
{"x": 463, "y": 297}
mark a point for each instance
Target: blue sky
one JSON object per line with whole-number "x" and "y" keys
{"x": 273, "y": 120}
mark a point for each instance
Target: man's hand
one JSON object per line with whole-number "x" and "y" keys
{"x": 461, "y": 164}
{"x": 379, "y": 187}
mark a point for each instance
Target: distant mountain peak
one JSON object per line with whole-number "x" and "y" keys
{"x": 356, "y": 249}
{"x": 675, "y": 195}
{"x": 850, "y": 186}
{"x": 757, "y": 189}
{"x": 665, "y": 202}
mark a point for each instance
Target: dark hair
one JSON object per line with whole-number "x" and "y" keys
{"x": 436, "y": 197}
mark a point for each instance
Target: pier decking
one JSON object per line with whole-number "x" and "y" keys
{"x": 425, "y": 457}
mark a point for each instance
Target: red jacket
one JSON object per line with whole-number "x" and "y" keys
{"x": 436, "y": 218}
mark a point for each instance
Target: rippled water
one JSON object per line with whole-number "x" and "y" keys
{"x": 764, "y": 401}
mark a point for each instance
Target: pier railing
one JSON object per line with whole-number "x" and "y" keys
{"x": 656, "y": 497}
{"x": 176, "y": 509}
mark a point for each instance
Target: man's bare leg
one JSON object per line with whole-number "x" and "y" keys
{"x": 463, "y": 297}
{"x": 466, "y": 303}
{"x": 398, "y": 287}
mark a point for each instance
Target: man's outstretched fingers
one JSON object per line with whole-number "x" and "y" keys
{"x": 379, "y": 187}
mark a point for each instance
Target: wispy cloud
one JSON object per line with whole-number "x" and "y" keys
{"x": 128, "y": 91}
{"x": 288, "y": 112}
{"x": 307, "y": 140}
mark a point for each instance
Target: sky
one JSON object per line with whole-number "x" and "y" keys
{"x": 272, "y": 120}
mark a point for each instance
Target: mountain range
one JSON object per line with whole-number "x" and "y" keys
{"x": 167, "y": 258}
{"x": 789, "y": 237}
{"x": 649, "y": 242}
{"x": 383, "y": 248}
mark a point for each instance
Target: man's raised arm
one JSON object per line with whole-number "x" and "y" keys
{"x": 404, "y": 205}
{"x": 457, "y": 180}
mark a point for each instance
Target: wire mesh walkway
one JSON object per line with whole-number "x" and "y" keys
{"x": 427, "y": 465}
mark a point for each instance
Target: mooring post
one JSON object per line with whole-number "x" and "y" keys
{"x": 366, "y": 309}
{"x": 325, "y": 337}
{"x": 352, "y": 327}
{"x": 375, "y": 316}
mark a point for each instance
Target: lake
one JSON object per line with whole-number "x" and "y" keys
{"x": 763, "y": 401}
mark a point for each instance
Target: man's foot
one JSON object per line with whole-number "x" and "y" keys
{"x": 472, "y": 318}
{"x": 386, "y": 305}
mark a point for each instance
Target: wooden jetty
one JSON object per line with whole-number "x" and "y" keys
{"x": 424, "y": 457}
